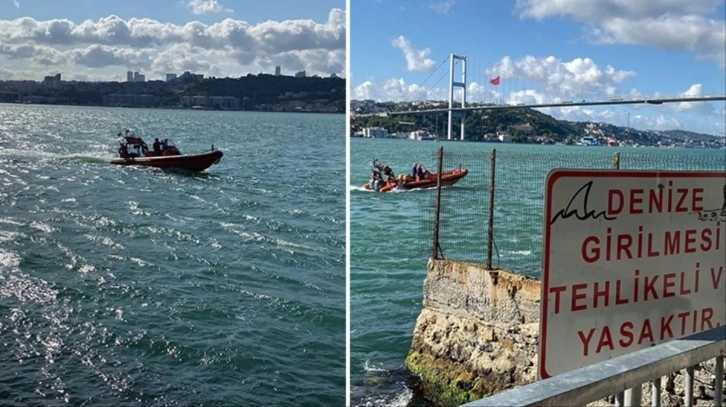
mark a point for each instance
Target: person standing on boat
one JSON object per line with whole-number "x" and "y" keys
{"x": 388, "y": 172}
{"x": 422, "y": 172}
{"x": 123, "y": 151}
{"x": 157, "y": 146}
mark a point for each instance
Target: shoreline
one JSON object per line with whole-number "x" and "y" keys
{"x": 168, "y": 108}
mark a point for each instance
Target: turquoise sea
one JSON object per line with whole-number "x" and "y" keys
{"x": 137, "y": 286}
{"x": 390, "y": 245}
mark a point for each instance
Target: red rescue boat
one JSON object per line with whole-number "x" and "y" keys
{"x": 134, "y": 151}
{"x": 407, "y": 182}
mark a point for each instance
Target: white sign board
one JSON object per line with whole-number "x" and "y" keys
{"x": 631, "y": 259}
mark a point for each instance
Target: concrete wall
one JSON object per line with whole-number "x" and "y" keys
{"x": 477, "y": 332}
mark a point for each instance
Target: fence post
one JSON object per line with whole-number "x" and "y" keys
{"x": 490, "y": 227}
{"x": 437, "y": 210}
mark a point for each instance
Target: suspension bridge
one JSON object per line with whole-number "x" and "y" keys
{"x": 460, "y": 111}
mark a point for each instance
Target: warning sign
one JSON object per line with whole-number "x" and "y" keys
{"x": 631, "y": 259}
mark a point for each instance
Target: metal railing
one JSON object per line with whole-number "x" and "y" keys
{"x": 614, "y": 376}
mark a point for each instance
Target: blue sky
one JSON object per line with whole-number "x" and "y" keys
{"x": 101, "y": 40}
{"x": 547, "y": 50}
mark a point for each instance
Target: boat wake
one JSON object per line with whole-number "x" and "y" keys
{"x": 22, "y": 155}
{"x": 359, "y": 188}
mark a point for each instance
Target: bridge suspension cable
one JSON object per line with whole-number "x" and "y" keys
{"x": 426, "y": 90}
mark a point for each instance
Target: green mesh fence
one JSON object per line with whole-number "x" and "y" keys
{"x": 464, "y": 209}
{"x": 519, "y": 198}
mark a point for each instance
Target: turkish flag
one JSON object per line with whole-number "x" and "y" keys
{"x": 495, "y": 81}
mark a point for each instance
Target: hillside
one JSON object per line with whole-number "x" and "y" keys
{"x": 530, "y": 126}
{"x": 254, "y": 92}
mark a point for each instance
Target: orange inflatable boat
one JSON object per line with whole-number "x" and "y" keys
{"x": 405, "y": 182}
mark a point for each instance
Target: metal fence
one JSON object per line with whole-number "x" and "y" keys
{"x": 614, "y": 376}
{"x": 495, "y": 215}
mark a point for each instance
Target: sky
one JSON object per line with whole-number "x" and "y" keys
{"x": 95, "y": 40}
{"x": 548, "y": 51}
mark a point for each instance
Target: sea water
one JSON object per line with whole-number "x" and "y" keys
{"x": 139, "y": 286}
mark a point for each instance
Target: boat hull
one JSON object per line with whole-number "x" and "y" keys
{"x": 448, "y": 178}
{"x": 190, "y": 162}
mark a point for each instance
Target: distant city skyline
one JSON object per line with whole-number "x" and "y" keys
{"x": 100, "y": 41}
{"x": 548, "y": 51}
{"x": 140, "y": 76}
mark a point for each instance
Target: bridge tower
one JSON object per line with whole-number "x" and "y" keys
{"x": 452, "y": 84}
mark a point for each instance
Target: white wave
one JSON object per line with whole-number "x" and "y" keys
{"x": 9, "y": 261}
{"x": 281, "y": 242}
{"x": 258, "y": 237}
{"x": 104, "y": 221}
{"x": 43, "y": 227}
{"x": 138, "y": 261}
{"x": 71, "y": 256}
{"x": 86, "y": 268}
{"x": 134, "y": 208}
{"x": 105, "y": 241}
{"x": 519, "y": 252}
{"x": 393, "y": 191}
{"x": 10, "y": 221}
{"x": 6, "y": 236}
{"x": 402, "y": 399}
{"x": 35, "y": 153}
{"x": 368, "y": 367}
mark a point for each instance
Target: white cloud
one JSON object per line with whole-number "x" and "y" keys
{"x": 416, "y": 60}
{"x": 206, "y": 7}
{"x": 673, "y": 25}
{"x": 442, "y": 7}
{"x": 693, "y": 91}
{"x": 226, "y": 48}
{"x": 16, "y": 3}
{"x": 395, "y": 89}
{"x": 591, "y": 10}
{"x": 579, "y": 78}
